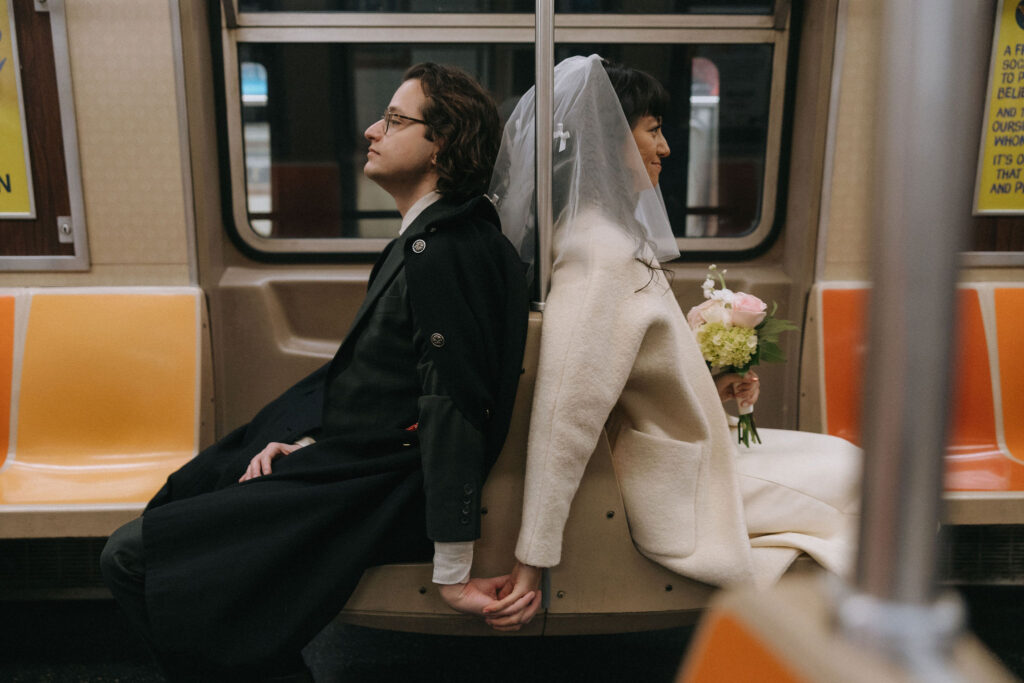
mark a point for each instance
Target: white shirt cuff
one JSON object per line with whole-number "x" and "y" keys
{"x": 452, "y": 562}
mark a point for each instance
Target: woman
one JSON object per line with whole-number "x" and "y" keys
{"x": 617, "y": 355}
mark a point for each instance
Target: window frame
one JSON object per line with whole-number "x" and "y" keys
{"x": 71, "y": 229}
{"x": 472, "y": 28}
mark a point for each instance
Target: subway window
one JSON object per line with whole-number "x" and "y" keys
{"x": 301, "y": 92}
{"x": 304, "y": 109}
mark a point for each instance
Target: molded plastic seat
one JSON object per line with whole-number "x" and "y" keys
{"x": 974, "y": 459}
{"x": 107, "y": 407}
{"x": 603, "y": 585}
{"x": 1009, "y": 304}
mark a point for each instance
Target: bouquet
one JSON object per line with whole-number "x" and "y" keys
{"x": 736, "y": 332}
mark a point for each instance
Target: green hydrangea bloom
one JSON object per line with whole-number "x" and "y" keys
{"x": 726, "y": 346}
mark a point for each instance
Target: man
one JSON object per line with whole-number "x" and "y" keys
{"x": 253, "y": 546}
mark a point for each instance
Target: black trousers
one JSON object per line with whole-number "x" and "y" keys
{"x": 123, "y": 564}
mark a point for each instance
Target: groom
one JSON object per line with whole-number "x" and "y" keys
{"x": 253, "y": 546}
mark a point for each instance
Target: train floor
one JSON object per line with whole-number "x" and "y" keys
{"x": 82, "y": 641}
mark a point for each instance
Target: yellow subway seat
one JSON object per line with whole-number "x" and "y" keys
{"x": 31, "y": 483}
{"x": 108, "y": 373}
{"x": 107, "y": 403}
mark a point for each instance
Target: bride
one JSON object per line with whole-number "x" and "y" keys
{"x": 617, "y": 354}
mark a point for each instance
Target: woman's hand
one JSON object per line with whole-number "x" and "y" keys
{"x": 260, "y": 464}
{"x": 520, "y": 599}
{"x": 743, "y": 389}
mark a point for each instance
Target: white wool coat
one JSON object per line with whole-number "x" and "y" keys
{"x": 616, "y": 354}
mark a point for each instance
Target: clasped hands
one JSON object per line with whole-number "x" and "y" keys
{"x": 506, "y": 602}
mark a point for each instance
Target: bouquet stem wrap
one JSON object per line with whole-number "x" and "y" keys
{"x": 747, "y": 428}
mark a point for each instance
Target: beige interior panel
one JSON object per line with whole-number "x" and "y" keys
{"x": 126, "y": 106}
{"x": 849, "y": 219}
{"x": 277, "y": 326}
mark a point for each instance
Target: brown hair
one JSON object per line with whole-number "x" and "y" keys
{"x": 464, "y": 118}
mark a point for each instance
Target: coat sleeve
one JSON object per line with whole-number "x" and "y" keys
{"x": 452, "y": 449}
{"x": 469, "y": 308}
{"x": 592, "y": 331}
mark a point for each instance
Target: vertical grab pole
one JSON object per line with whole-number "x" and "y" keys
{"x": 930, "y": 86}
{"x": 544, "y": 77}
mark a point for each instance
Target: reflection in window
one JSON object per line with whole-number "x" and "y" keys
{"x": 256, "y": 134}
{"x": 305, "y": 107}
{"x": 702, "y": 174}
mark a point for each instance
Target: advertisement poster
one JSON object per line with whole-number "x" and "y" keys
{"x": 1000, "y": 185}
{"x": 16, "y": 197}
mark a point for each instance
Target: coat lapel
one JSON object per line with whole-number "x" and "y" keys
{"x": 394, "y": 258}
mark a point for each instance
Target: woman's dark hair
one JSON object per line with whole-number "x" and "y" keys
{"x": 639, "y": 93}
{"x": 464, "y": 118}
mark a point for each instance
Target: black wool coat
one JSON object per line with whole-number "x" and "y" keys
{"x": 409, "y": 416}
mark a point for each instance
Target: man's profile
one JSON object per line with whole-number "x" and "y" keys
{"x": 378, "y": 456}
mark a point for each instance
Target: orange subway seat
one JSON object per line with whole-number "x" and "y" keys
{"x": 726, "y": 650}
{"x": 974, "y": 460}
{"x": 1010, "y": 339}
{"x": 6, "y": 372}
{"x": 844, "y": 322}
{"x": 107, "y": 398}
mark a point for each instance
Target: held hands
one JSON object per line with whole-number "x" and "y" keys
{"x": 520, "y": 599}
{"x": 260, "y": 464}
{"x": 734, "y": 386}
{"x": 473, "y": 596}
{"x": 506, "y": 602}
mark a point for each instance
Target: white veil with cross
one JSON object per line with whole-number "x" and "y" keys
{"x": 596, "y": 167}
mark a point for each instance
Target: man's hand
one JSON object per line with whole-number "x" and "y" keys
{"x": 260, "y": 464}
{"x": 520, "y": 599}
{"x": 744, "y": 389}
{"x": 472, "y": 597}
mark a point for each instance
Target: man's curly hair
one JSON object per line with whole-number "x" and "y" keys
{"x": 465, "y": 119}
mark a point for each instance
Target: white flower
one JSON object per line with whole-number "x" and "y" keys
{"x": 708, "y": 286}
{"x": 723, "y": 295}
{"x": 717, "y": 314}
{"x": 752, "y": 342}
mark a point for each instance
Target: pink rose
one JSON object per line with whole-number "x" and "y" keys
{"x": 747, "y": 310}
{"x": 712, "y": 310}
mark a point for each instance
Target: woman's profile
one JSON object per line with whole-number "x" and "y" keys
{"x": 617, "y": 356}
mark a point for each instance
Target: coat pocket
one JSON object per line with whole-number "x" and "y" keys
{"x": 658, "y": 479}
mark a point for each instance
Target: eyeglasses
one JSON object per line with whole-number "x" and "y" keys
{"x": 390, "y": 116}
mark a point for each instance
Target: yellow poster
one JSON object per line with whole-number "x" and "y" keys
{"x": 1000, "y": 184}
{"x": 16, "y": 197}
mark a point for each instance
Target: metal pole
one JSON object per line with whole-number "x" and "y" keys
{"x": 544, "y": 77}
{"x": 931, "y": 81}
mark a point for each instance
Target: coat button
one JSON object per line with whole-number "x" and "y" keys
{"x": 465, "y": 510}
{"x": 418, "y": 246}
{"x": 437, "y": 339}
{"x": 487, "y": 413}
{"x": 467, "y": 489}
{"x": 464, "y": 520}
{"x": 466, "y": 501}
